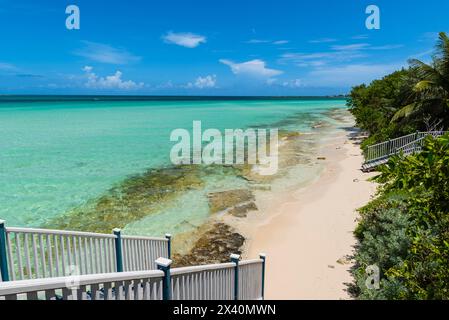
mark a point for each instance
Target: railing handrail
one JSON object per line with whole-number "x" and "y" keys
{"x": 59, "y": 232}
{"x": 32, "y": 285}
{"x": 144, "y": 238}
{"x": 195, "y": 269}
{"x": 252, "y": 286}
{"x": 391, "y": 141}
{"x": 30, "y": 253}
{"x": 78, "y": 233}
{"x": 412, "y": 143}
{"x": 253, "y": 261}
{"x": 385, "y": 149}
{"x": 406, "y": 136}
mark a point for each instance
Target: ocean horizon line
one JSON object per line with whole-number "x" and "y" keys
{"x": 112, "y": 97}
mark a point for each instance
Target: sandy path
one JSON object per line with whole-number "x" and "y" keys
{"x": 307, "y": 232}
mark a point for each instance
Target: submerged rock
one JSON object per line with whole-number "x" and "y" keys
{"x": 220, "y": 201}
{"x": 131, "y": 200}
{"x": 214, "y": 246}
{"x": 241, "y": 210}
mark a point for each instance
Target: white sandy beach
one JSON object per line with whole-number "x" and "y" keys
{"x": 305, "y": 233}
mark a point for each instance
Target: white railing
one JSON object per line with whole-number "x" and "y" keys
{"x": 386, "y": 149}
{"x": 140, "y": 253}
{"x": 213, "y": 282}
{"x": 250, "y": 272}
{"x": 243, "y": 280}
{"x": 143, "y": 285}
{"x": 41, "y": 253}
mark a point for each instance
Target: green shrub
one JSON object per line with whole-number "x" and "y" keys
{"x": 405, "y": 231}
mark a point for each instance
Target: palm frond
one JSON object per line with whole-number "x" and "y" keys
{"x": 405, "y": 112}
{"x": 443, "y": 55}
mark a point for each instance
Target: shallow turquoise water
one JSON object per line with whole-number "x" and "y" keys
{"x": 55, "y": 156}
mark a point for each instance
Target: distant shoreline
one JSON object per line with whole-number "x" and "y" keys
{"x": 100, "y": 98}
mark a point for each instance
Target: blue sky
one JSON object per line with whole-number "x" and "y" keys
{"x": 246, "y": 47}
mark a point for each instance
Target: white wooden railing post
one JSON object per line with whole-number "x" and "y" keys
{"x": 3, "y": 259}
{"x": 263, "y": 256}
{"x": 163, "y": 264}
{"x": 118, "y": 249}
{"x": 235, "y": 258}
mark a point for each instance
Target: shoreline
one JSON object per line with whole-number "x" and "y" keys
{"x": 232, "y": 210}
{"x": 308, "y": 234}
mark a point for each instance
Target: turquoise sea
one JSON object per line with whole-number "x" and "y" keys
{"x": 59, "y": 154}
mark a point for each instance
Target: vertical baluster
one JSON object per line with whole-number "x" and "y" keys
{"x": 86, "y": 260}
{"x": 96, "y": 257}
{"x": 56, "y": 244}
{"x": 132, "y": 255}
{"x": 135, "y": 255}
{"x": 126, "y": 254}
{"x": 94, "y": 288}
{"x": 100, "y": 254}
{"x": 118, "y": 290}
{"x": 12, "y": 269}
{"x": 19, "y": 256}
{"x": 63, "y": 255}
{"x": 145, "y": 291}
{"x": 128, "y": 290}
{"x": 50, "y": 255}
{"x": 113, "y": 257}
{"x": 141, "y": 255}
{"x": 106, "y": 254}
{"x": 69, "y": 252}
{"x": 82, "y": 295}
{"x": 91, "y": 253}
{"x": 42, "y": 255}
{"x": 82, "y": 262}
{"x": 50, "y": 294}
{"x": 27, "y": 257}
{"x": 75, "y": 254}
{"x": 35, "y": 256}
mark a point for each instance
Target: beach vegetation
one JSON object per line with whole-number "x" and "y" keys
{"x": 412, "y": 99}
{"x": 405, "y": 230}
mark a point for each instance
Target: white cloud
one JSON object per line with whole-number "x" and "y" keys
{"x": 336, "y": 54}
{"x": 350, "y": 47}
{"x": 209, "y": 81}
{"x": 360, "y": 37}
{"x": 7, "y": 67}
{"x": 257, "y": 41}
{"x": 184, "y": 39}
{"x": 365, "y": 46}
{"x": 109, "y": 82}
{"x": 387, "y": 47}
{"x": 106, "y": 54}
{"x": 350, "y": 75}
{"x": 279, "y": 42}
{"x": 295, "y": 83}
{"x": 323, "y": 40}
{"x": 256, "y": 68}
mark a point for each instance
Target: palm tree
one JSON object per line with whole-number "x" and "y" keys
{"x": 431, "y": 91}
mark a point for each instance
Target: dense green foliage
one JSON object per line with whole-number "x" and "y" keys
{"x": 405, "y": 230}
{"x": 405, "y": 101}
